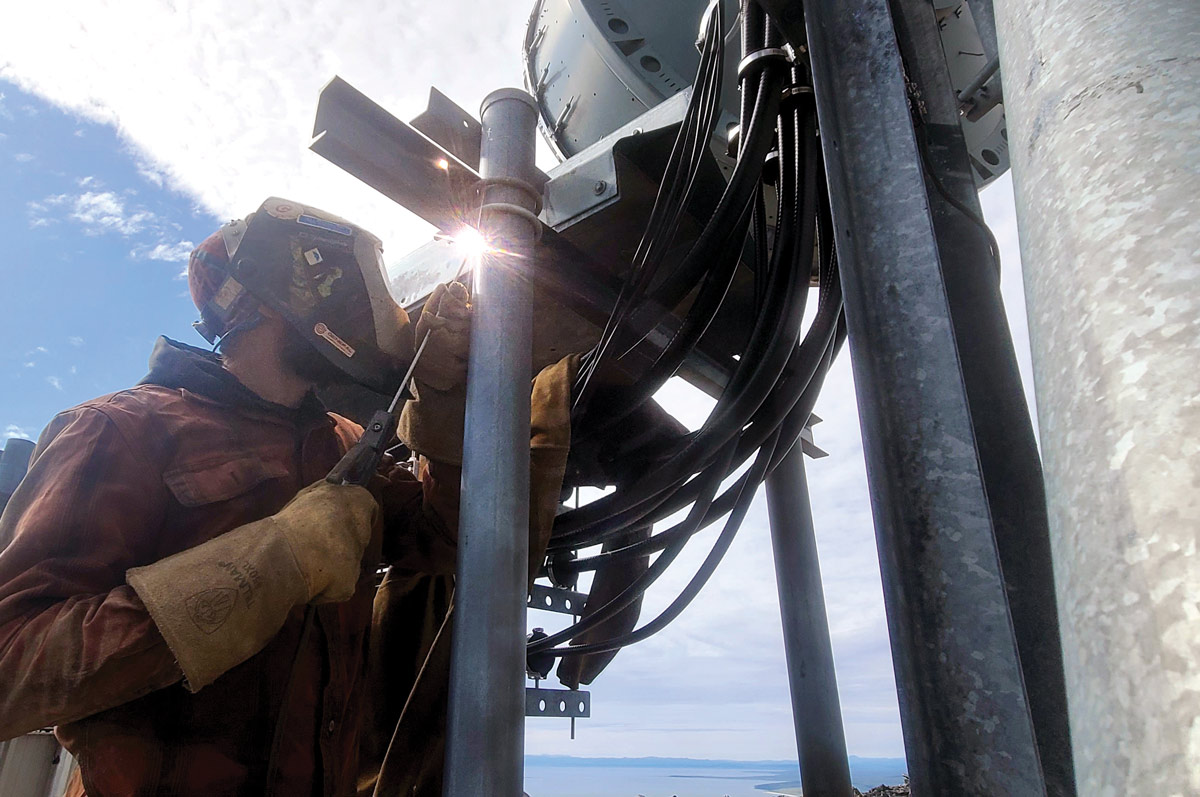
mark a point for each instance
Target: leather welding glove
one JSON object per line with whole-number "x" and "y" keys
{"x": 221, "y": 602}
{"x": 432, "y": 423}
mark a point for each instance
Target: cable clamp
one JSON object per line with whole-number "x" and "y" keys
{"x": 760, "y": 58}
{"x": 511, "y": 182}
{"x": 516, "y": 210}
{"x": 792, "y": 94}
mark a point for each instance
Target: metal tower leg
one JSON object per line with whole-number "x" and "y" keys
{"x": 964, "y": 711}
{"x": 1102, "y": 109}
{"x": 485, "y": 739}
{"x": 816, "y": 711}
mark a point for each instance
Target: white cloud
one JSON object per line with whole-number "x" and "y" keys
{"x": 54, "y": 382}
{"x": 12, "y": 430}
{"x": 75, "y": 340}
{"x": 171, "y": 253}
{"x": 23, "y": 157}
{"x": 105, "y": 211}
{"x": 227, "y": 111}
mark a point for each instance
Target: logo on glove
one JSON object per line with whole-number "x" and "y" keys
{"x": 211, "y": 608}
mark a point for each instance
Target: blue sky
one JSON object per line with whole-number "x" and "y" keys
{"x": 132, "y": 130}
{"x": 95, "y": 249}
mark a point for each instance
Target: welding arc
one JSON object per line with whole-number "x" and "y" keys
{"x": 771, "y": 393}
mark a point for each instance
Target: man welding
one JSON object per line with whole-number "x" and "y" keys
{"x": 160, "y": 559}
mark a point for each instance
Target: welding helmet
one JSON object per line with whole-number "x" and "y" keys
{"x": 323, "y": 275}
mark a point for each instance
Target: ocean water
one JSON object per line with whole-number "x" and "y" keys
{"x": 565, "y": 776}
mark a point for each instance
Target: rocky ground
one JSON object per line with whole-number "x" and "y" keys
{"x": 884, "y": 791}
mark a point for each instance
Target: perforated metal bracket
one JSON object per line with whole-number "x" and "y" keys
{"x": 552, "y": 599}
{"x": 557, "y": 703}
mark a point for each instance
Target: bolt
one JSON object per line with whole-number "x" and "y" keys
{"x": 599, "y": 187}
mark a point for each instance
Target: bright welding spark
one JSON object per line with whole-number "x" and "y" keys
{"x": 442, "y": 164}
{"x": 471, "y": 243}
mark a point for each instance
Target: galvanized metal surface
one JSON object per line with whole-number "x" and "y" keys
{"x": 391, "y": 156}
{"x": 1008, "y": 454}
{"x": 595, "y": 65}
{"x": 485, "y": 725}
{"x": 557, "y": 703}
{"x": 553, "y": 599}
{"x": 28, "y": 764}
{"x": 1103, "y": 126}
{"x": 963, "y": 708}
{"x": 816, "y": 710}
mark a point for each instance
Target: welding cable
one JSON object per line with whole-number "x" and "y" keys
{"x": 707, "y": 568}
{"x": 639, "y": 585}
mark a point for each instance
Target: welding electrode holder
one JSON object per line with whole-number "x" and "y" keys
{"x": 362, "y": 460}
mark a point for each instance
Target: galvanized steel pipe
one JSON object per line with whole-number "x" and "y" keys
{"x": 1103, "y": 122}
{"x": 816, "y": 710}
{"x": 485, "y": 740}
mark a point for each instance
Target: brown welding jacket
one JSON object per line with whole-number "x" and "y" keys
{"x": 130, "y": 478}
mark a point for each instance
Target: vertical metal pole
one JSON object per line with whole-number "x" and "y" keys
{"x": 1102, "y": 111}
{"x": 485, "y": 739}
{"x": 1008, "y": 454}
{"x": 966, "y": 720}
{"x": 816, "y": 711}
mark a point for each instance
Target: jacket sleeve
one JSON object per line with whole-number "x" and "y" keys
{"x": 74, "y": 639}
{"x": 421, "y": 518}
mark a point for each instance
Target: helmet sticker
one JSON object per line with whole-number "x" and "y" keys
{"x": 282, "y": 209}
{"x": 228, "y": 293}
{"x": 339, "y": 344}
{"x": 325, "y": 224}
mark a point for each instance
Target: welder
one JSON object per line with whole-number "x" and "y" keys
{"x": 182, "y": 593}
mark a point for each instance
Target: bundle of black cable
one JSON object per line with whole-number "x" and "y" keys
{"x": 770, "y": 394}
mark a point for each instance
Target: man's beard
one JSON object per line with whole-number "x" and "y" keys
{"x": 306, "y": 362}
